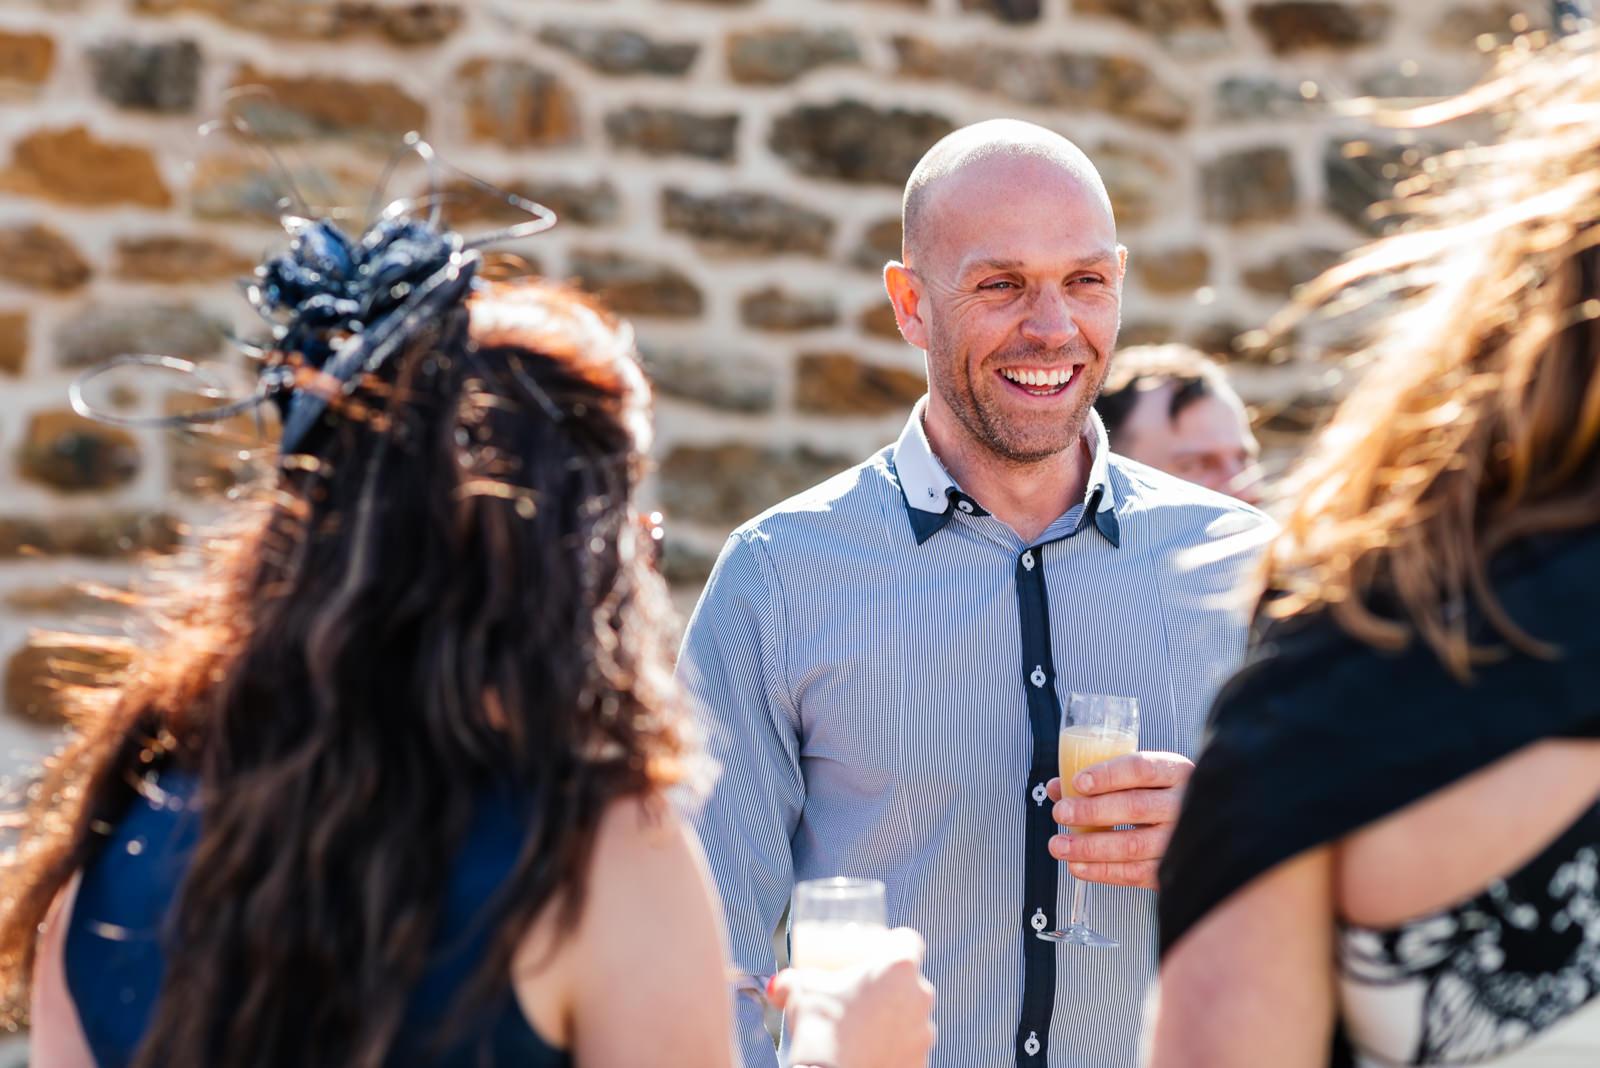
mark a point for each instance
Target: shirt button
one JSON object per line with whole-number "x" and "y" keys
{"x": 1039, "y": 920}
{"x": 965, "y": 506}
{"x": 1039, "y": 795}
{"x": 1037, "y": 678}
{"x": 1031, "y": 1046}
{"x": 1027, "y": 559}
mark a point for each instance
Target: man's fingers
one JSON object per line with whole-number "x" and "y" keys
{"x": 1112, "y": 847}
{"x": 1115, "y": 809}
{"x": 1150, "y": 771}
{"x": 1053, "y": 789}
{"x": 1141, "y": 873}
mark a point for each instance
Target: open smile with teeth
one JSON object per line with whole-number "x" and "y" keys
{"x": 1042, "y": 383}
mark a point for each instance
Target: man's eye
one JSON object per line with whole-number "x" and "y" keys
{"x": 1091, "y": 278}
{"x": 1000, "y": 284}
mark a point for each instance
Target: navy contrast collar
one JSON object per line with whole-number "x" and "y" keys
{"x": 933, "y": 498}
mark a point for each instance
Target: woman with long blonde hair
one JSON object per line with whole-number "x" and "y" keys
{"x": 1389, "y": 846}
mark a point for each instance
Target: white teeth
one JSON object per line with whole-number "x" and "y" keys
{"x": 1040, "y": 379}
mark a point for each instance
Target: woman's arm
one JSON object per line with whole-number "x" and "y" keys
{"x": 1253, "y": 982}
{"x": 56, "y": 1037}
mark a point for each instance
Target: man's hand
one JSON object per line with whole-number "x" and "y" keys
{"x": 1142, "y": 789}
{"x": 877, "y": 1015}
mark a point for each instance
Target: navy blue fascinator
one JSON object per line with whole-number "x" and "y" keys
{"x": 339, "y": 307}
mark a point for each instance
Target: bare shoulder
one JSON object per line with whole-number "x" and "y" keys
{"x": 1452, "y": 843}
{"x": 649, "y": 948}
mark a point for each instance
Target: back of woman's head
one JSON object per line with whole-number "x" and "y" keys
{"x": 1478, "y": 419}
{"x": 443, "y": 597}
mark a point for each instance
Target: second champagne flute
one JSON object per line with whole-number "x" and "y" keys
{"x": 1094, "y": 727}
{"x": 837, "y": 922}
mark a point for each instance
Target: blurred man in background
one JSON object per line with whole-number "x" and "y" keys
{"x": 1170, "y": 406}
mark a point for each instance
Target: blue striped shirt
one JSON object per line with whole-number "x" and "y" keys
{"x": 876, "y": 665}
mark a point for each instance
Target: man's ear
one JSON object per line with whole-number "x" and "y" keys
{"x": 905, "y": 293}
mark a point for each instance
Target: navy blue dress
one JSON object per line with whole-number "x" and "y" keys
{"x": 115, "y": 961}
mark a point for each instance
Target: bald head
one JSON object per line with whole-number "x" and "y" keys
{"x": 981, "y": 146}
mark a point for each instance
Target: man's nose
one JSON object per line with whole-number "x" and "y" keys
{"x": 1049, "y": 321}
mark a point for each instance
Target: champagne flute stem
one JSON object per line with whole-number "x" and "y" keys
{"x": 1079, "y": 917}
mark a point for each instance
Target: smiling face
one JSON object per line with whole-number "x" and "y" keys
{"x": 1014, "y": 291}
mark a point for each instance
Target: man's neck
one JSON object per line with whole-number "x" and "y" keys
{"x": 1025, "y": 497}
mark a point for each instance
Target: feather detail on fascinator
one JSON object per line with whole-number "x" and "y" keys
{"x": 339, "y": 307}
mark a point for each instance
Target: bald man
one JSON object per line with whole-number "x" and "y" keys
{"x": 880, "y": 663}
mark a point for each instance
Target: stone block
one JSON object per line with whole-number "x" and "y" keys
{"x": 157, "y": 76}
{"x": 72, "y": 166}
{"x": 100, "y": 536}
{"x": 613, "y": 50}
{"x": 1282, "y": 273}
{"x": 1360, "y": 175}
{"x": 1006, "y": 10}
{"x": 67, "y": 452}
{"x": 683, "y": 566}
{"x": 1138, "y": 181}
{"x": 1463, "y": 25}
{"x": 878, "y": 320}
{"x": 68, "y": 600}
{"x": 777, "y": 309}
{"x": 517, "y": 104}
{"x": 854, "y": 142}
{"x": 26, "y": 58}
{"x": 879, "y": 244}
{"x": 1253, "y": 185}
{"x": 733, "y": 382}
{"x": 839, "y": 383}
{"x": 283, "y": 108}
{"x": 747, "y": 222}
{"x": 723, "y": 485}
{"x": 1160, "y": 17}
{"x": 229, "y": 189}
{"x": 178, "y": 258}
{"x": 1251, "y": 97}
{"x": 1174, "y": 270}
{"x": 1300, "y": 25}
{"x": 635, "y": 286}
{"x": 593, "y": 203}
{"x": 674, "y": 132}
{"x": 1409, "y": 84}
{"x": 43, "y": 677}
{"x": 408, "y": 23}
{"x": 779, "y": 55}
{"x": 99, "y": 332}
{"x": 1145, "y": 332}
{"x": 1114, "y": 84}
{"x": 37, "y": 256}
{"x": 13, "y": 342}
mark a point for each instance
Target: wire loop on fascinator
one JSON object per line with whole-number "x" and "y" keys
{"x": 339, "y": 307}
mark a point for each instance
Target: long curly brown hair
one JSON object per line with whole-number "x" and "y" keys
{"x": 447, "y": 590}
{"x": 1478, "y": 421}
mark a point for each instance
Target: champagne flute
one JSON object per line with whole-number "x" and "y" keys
{"x": 837, "y": 923}
{"x": 1094, "y": 727}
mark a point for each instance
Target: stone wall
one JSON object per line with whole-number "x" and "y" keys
{"x": 728, "y": 173}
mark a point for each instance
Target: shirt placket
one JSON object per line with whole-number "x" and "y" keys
{"x": 1039, "y": 868}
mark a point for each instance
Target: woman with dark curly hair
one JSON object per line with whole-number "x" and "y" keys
{"x": 390, "y": 792}
{"x": 1390, "y": 846}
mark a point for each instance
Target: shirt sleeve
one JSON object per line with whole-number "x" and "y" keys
{"x": 731, "y": 668}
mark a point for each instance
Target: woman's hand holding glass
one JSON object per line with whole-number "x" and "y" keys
{"x": 874, "y": 1014}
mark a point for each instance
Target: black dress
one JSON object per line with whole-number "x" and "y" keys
{"x": 1321, "y": 734}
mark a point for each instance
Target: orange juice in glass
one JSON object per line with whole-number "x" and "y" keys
{"x": 1094, "y": 727}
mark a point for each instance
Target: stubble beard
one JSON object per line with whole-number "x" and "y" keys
{"x": 1001, "y": 435}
